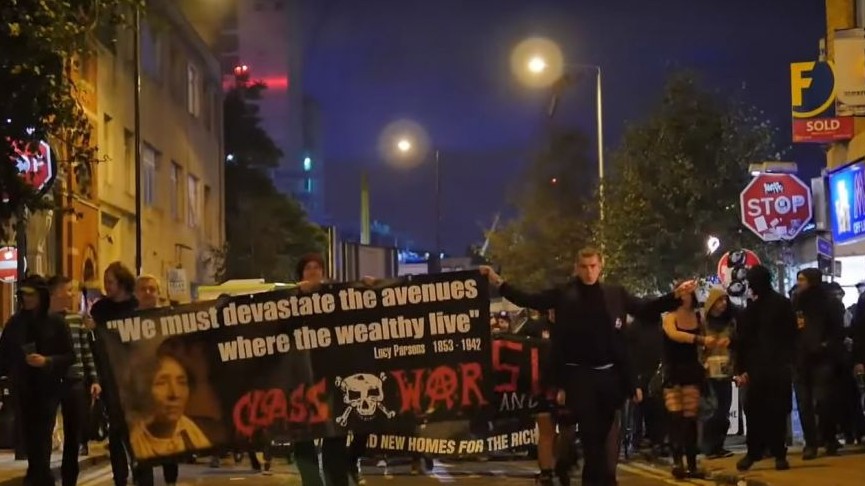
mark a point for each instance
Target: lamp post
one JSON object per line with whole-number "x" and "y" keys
{"x": 405, "y": 146}
{"x": 136, "y": 74}
{"x": 537, "y": 65}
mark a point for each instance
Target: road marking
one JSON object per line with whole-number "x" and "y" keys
{"x": 647, "y": 471}
{"x": 93, "y": 478}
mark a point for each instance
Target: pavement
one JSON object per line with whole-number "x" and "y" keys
{"x": 12, "y": 471}
{"x": 488, "y": 473}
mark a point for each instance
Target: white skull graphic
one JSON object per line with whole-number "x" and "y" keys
{"x": 363, "y": 393}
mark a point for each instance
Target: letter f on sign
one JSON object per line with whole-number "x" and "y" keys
{"x": 799, "y": 81}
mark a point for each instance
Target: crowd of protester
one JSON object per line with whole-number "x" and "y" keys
{"x": 675, "y": 358}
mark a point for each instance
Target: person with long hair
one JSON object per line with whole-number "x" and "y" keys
{"x": 684, "y": 376}
{"x": 119, "y": 302}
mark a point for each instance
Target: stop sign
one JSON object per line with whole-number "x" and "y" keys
{"x": 776, "y": 206}
{"x": 36, "y": 168}
{"x": 8, "y": 264}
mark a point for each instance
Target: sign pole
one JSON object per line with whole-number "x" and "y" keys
{"x": 21, "y": 241}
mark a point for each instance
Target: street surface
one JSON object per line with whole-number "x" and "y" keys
{"x": 473, "y": 473}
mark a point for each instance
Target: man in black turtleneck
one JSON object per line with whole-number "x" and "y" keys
{"x": 589, "y": 355}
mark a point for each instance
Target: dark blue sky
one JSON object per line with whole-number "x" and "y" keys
{"x": 445, "y": 65}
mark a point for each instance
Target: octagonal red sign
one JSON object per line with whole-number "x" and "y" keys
{"x": 776, "y": 206}
{"x": 36, "y": 168}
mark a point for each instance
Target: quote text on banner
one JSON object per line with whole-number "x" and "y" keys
{"x": 348, "y": 357}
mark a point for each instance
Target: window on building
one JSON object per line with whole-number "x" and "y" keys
{"x": 129, "y": 160}
{"x": 151, "y": 51}
{"x": 205, "y": 213}
{"x": 148, "y": 174}
{"x": 193, "y": 90}
{"x": 309, "y": 186}
{"x": 175, "y": 188}
{"x": 107, "y": 166}
{"x": 192, "y": 198}
{"x": 307, "y": 164}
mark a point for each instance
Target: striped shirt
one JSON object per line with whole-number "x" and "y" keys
{"x": 83, "y": 364}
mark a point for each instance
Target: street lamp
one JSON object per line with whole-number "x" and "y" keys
{"x": 542, "y": 60}
{"x": 405, "y": 146}
{"x": 712, "y": 244}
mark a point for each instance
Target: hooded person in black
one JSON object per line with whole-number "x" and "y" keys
{"x": 764, "y": 345}
{"x": 819, "y": 346}
{"x": 36, "y": 352}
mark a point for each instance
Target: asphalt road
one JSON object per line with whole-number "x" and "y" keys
{"x": 470, "y": 473}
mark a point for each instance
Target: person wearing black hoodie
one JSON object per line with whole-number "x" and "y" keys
{"x": 36, "y": 352}
{"x": 765, "y": 348}
{"x": 819, "y": 346}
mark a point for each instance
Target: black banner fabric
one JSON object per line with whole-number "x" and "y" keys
{"x": 508, "y": 424}
{"x": 302, "y": 366}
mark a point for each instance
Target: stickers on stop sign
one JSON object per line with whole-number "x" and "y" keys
{"x": 776, "y": 206}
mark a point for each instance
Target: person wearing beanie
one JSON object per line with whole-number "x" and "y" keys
{"x": 719, "y": 321}
{"x": 36, "y": 352}
{"x": 764, "y": 345}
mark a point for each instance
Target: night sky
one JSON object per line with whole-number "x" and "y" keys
{"x": 445, "y": 65}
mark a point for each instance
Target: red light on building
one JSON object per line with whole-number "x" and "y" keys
{"x": 554, "y": 181}
{"x": 241, "y": 70}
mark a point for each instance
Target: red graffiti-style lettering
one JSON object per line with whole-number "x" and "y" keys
{"x": 441, "y": 386}
{"x": 260, "y": 409}
{"x": 536, "y": 371}
{"x": 471, "y": 374}
{"x": 509, "y": 385}
{"x": 424, "y": 389}
{"x": 409, "y": 391}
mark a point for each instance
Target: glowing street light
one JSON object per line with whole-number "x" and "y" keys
{"x": 403, "y": 145}
{"x": 712, "y": 244}
{"x": 537, "y": 64}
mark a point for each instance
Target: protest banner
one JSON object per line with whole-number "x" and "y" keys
{"x": 520, "y": 392}
{"x": 348, "y": 357}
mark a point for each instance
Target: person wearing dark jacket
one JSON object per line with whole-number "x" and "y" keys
{"x": 36, "y": 352}
{"x": 119, "y": 302}
{"x": 589, "y": 358}
{"x": 764, "y": 348}
{"x": 334, "y": 453}
{"x": 819, "y": 346}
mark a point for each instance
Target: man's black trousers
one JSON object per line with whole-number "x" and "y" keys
{"x": 73, "y": 407}
{"x": 767, "y": 404}
{"x": 38, "y": 415}
{"x": 593, "y": 397}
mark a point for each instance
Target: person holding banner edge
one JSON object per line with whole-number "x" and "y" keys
{"x": 589, "y": 361}
{"x": 119, "y": 302}
{"x": 334, "y": 451}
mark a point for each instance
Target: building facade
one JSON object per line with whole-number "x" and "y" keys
{"x": 264, "y": 39}
{"x": 182, "y": 159}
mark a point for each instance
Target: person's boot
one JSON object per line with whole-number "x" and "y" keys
{"x": 781, "y": 464}
{"x": 809, "y": 453}
{"x": 563, "y": 472}
{"x": 545, "y": 478}
{"x": 744, "y": 464}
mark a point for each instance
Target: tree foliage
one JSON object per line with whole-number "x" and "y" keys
{"x": 41, "y": 41}
{"x": 266, "y": 231}
{"x": 555, "y": 215}
{"x": 675, "y": 180}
